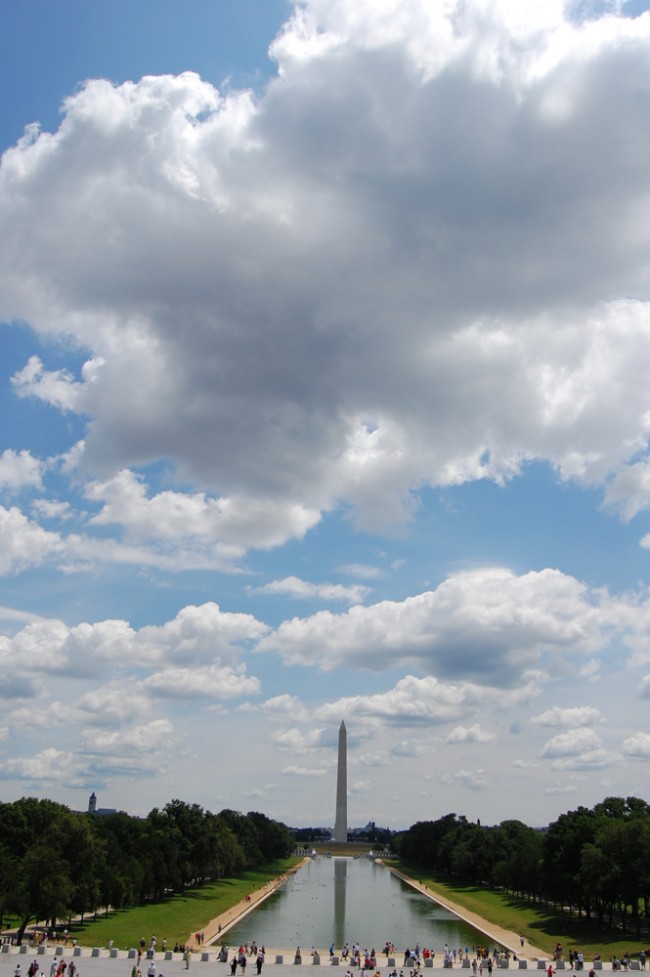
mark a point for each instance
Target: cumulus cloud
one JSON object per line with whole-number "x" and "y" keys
{"x": 596, "y": 759}
{"x": 298, "y": 740}
{"x": 24, "y": 543}
{"x": 629, "y": 490}
{"x": 416, "y": 702}
{"x": 211, "y": 682}
{"x": 49, "y": 766}
{"x": 203, "y": 636}
{"x": 570, "y": 717}
{"x": 229, "y": 524}
{"x": 294, "y": 771}
{"x": 572, "y": 743}
{"x": 286, "y": 706}
{"x": 469, "y": 734}
{"x": 19, "y": 469}
{"x": 472, "y": 779}
{"x": 304, "y": 590}
{"x": 486, "y": 624}
{"x": 644, "y": 687}
{"x": 637, "y": 746}
{"x": 409, "y": 748}
{"x": 153, "y": 736}
{"x": 289, "y": 379}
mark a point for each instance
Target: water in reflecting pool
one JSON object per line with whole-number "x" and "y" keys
{"x": 350, "y": 900}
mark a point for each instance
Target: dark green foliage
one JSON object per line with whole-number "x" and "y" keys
{"x": 55, "y": 863}
{"x": 588, "y": 862}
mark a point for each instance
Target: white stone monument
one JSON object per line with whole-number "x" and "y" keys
{"x": 341, "y": 823}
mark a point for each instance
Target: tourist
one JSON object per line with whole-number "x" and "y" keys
{"x": 642, "y": 959}
{"x": 259, "y": 963}
{"x": 187, "y": 957}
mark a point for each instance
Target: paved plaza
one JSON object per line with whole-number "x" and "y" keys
{"x": 99, "y": 962}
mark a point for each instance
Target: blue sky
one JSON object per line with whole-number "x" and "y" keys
{"x": 324, "y": 372}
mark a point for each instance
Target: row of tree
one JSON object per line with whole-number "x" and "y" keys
{"x": 595, "y": 862}
{"x": 56, "y": 863}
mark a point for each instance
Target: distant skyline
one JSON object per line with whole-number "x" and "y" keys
{"x": 325, "y": 395}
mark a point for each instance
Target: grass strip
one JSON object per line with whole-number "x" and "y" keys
{"x": 540, "y": 925}
{"x": 175, "y": 918}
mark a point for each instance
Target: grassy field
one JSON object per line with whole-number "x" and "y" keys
{"x": 176, "y": 917}
{"x": 538, "y": 924}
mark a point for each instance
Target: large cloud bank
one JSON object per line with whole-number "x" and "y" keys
{"x": 419, "y": 256}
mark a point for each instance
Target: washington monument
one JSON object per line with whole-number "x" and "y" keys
{"x": 341, "y": 823}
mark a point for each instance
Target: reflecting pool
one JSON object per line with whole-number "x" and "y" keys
{"x": 339, "y": 900}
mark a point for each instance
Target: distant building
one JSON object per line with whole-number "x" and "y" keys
{"x": 93, "y": 809}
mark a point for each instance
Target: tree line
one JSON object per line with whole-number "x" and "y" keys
{"x": 56, "y": 863}
{"x": 594, "y": 862}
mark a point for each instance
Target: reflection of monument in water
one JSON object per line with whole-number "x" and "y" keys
{"x": 341, "y": 823}
{"x": 340, "y": 879}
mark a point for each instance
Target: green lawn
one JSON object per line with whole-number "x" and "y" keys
{"x": 538, "y": 924}
{"x": 176, "y": 917}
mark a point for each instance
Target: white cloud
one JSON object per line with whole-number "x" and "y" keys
{"x": 572, "y": 743}
{"x": 409, "y": 748}
{"x": 293, "y": 771}
{"x": 204, "y": 636}
{"x": 595, "y": 759}
{"x": 210, "y": 682}
{"x": 629, "y": 490}
{"x": 561, "y": 789}
{"x": 159, "y": 734}
{"x": 56, "y": 387}
{"x": 288, "y": 706}
{"x": 51, "y": 509}
{"x": 570, "y": 717}
{"x": 637, "y": 746}
{"x": 49, "y": 766}
{"x": 298, "y": 740}
{"x": 23, "y": 543}
{"x": 229, "y": 524}
{"x": 289, "y": 382}
{"x": 488, "y": 624}
{"x": 469, "y": 734}
{"x": 416, "y": 702}
{"x": 304, "y": 590}
{"x": 472, "y": 779}
{"x": 113, "y": 704}
{"x": 19, "y": 469}
{"x": 644, "y": 687}
{"x": 361, "y": 570}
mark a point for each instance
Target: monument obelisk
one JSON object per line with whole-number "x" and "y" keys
{"x": 341, "y": 823}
